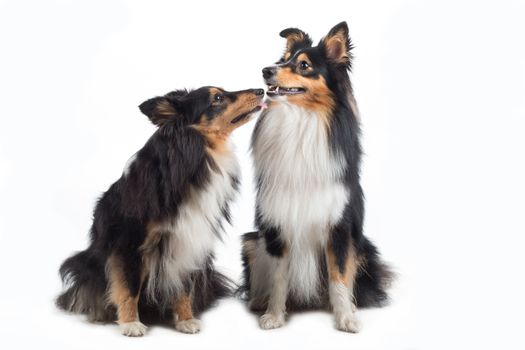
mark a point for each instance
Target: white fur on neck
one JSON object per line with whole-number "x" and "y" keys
{"x": 192, "y": 233}
{"x": 300, "y": 192}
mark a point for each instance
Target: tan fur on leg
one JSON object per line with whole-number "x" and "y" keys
{"x": 126, "y": 304}
{"x": 340, "y": 286}
{"x": 183, "y": 314}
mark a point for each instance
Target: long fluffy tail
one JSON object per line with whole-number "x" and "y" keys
{"x": 212, "y": 285}
{"x": 373, "y": 279}
{"x": 85, "y": 283}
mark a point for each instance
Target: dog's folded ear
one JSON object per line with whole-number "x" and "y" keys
{"x": 337, "y": 45}
{"x": 159, "y": 109}
{"x": 295, "y": 36}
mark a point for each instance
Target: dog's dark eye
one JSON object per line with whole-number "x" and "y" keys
{"x": 304, "y": 65}
{"x": 218, "y": 98}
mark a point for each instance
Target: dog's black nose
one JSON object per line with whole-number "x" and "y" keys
{"x": 268, "y": 72}
{"x": 258, "y": 92}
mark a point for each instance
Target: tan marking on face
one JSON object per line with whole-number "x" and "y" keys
{"x": 350, "y": 269}
{"x": 119, "y": 294}
{"x": 317, "y": 96}
{"x": 214, "y": 91}
{"x": 287, "y": 55}
{"x": 182, "y": 308}
{"x": 219, "y": 128}
{"x": 215, "y": 136}
{"x": 304, "y": 57}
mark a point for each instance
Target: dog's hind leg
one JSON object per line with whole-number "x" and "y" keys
{"x": 124, "y": 294}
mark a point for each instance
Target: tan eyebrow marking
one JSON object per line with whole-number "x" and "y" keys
{"x": 304, "y": 57}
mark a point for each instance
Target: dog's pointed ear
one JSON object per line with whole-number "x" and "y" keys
{"x": 337, "y": 45}
{"x": 159, "y": 109}
{"x": 295, "y": 36}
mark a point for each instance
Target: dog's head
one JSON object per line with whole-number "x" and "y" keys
{"x": 308, "y": 75}
{"x": 210, "y": 109}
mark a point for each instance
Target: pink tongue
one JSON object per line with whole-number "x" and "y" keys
{"x": 263, "y": 105}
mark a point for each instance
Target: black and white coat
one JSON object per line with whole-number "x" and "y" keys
{"x": 154, "y": 230}
{"x": 309, "y": 250}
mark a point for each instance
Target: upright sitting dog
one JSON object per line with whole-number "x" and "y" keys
{"x": 154, "y": 229}
{"x": 309, "y": 251}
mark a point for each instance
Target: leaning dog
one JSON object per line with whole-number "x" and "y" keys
{"x": 153, "y": 233}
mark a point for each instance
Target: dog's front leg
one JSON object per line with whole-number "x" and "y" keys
{"x": 274, "y": 317}
{"x": 342, "y": 269}
{"x": 183, "y": 315}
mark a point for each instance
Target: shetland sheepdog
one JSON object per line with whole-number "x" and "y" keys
{"x": 153, "y": 232}
{"x": 309, "y": 250}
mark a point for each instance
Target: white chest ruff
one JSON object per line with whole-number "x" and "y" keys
{"x": 189, "y": 237}
{"x": 300, "y": 189}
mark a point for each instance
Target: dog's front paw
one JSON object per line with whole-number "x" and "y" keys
{"x": 347, "y": 322}
{"x": 190, "y": 326}
{"x": 271, "y": 320}
{"x": 133, "y": 329}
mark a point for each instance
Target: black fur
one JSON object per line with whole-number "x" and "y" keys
{"x": 274, "y": 244}
{"x": 84, "y": 273}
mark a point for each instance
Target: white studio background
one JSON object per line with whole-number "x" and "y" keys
{"x": 441, "y": 89}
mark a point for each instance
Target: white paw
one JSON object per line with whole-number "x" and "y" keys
{"x": 347, "y": 322}
{"x": 133, "y": 329}
{"x": 271, "y": 321}
{"x": 190, "y": 326}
